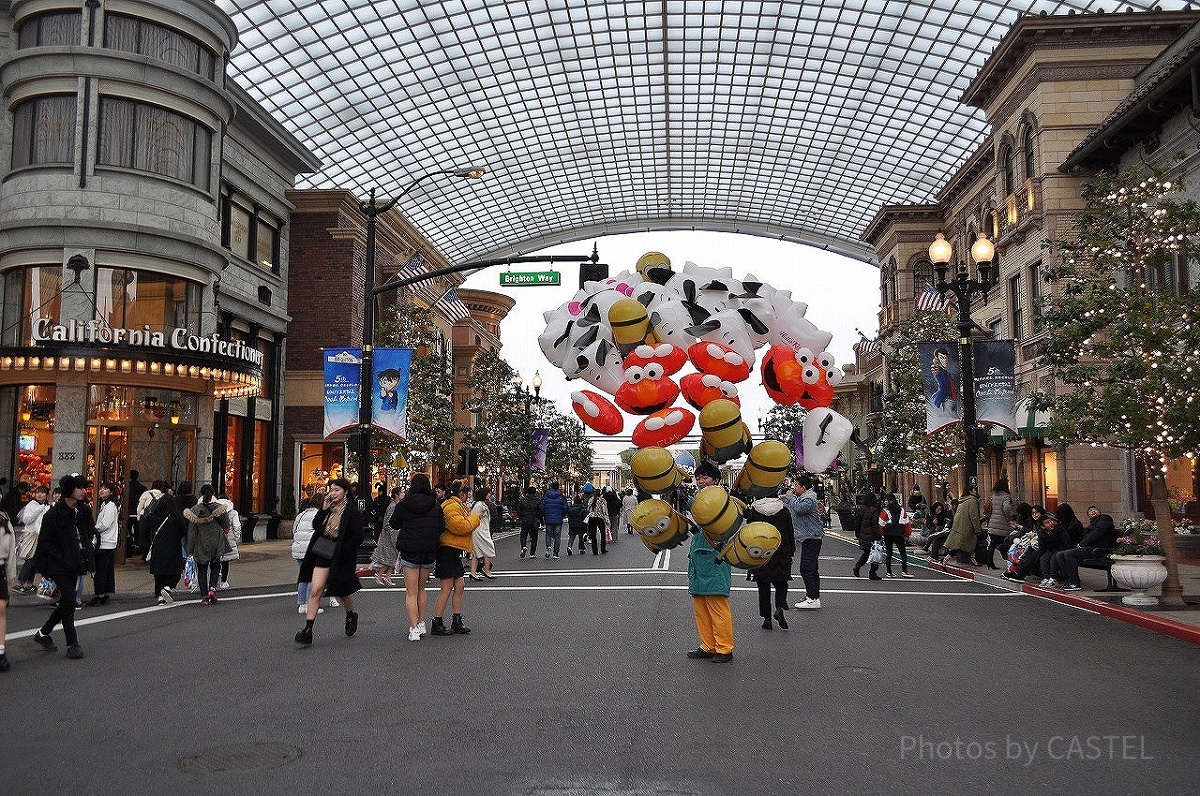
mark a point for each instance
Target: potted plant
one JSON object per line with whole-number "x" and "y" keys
{"x": 1138, "y": 558}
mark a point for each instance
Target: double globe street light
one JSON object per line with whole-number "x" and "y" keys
{"x": 964, "y": 287}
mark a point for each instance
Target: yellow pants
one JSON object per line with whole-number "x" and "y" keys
{"x": 714, "y": 620}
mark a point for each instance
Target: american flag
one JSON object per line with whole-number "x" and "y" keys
{"x": 931, "y": 300}
{"x": 451, "y": 306}
{"x": 867, "y": 348}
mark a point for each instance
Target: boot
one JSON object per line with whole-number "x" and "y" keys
{"x": 438, "y": 628}
{"x": 767, "y": 623}
{"x": 456, "y": 625}
{"x": 874, "y": 573}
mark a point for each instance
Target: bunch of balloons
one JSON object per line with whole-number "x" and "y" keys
{"x": 630, "y": 336}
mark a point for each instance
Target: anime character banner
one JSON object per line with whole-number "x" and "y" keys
{"x": 342, "y": 367}
{"x": 541, "y": 444}
{"x": 941, "y": 377}
{"x": 995, "y": 385}
{"x": 389, "y": 391}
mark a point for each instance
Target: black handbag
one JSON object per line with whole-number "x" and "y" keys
{"x": 324, "y": 547}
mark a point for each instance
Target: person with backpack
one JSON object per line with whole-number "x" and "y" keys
{"x": 577, "y": 525}
{"x": 613, "y": 500}
{"x": 530, "y": 516}
{"x": 597, "y": 521}
{"x": 419, "y": 524}
{"x": 206, "y": 542}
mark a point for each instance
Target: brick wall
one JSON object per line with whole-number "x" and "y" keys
{"x": 325, "y": 288}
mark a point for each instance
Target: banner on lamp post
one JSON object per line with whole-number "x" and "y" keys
{"x": 342, "y": 369}
{"x": 995, "y": 383}
{"x": 389, "y": 390}
{"x": 541, "y": 444}
{"x": 941, "y": 376}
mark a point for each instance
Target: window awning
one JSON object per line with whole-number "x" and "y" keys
{"x": 1032, "y": 422}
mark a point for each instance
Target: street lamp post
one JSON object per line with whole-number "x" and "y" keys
{"x": 964, "y": 287}
{"x": 372, "y": 211}
{"x": 529, "y": 399}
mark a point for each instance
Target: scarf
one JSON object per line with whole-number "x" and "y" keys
{"x": 333, "y": 522}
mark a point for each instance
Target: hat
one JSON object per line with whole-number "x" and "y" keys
{"x": 916, "y": 488}
{"x": 588, "y": 488}
{"x": 1048, "y": 517}
{"x": 69, "y": 483}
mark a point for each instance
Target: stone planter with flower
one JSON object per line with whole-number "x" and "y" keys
{"x": 1138, "y": 562}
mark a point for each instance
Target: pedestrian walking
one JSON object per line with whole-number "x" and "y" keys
{"x": 576, "y": 524}
{"x": 31, "y": 519}
{"x": 613, "y": 500}
{"x": 482, "y": 546}
{"x": 894, "y": 527}
{"x": 629, "y": 502}
{"x": 168, "y": 530}
{"x": 133, "y": 496}
{"x": 206, "y": 541}
{"x": 232, "y": 531}
{"x": 302, "y": 533}
{"x": 709, "y": 582}
{"x": 806, "y": 521}
{"x": 598, "y": 522}
{"x": 64, "y": 553}
{"x": 108, "y": 535}
{"x": 145, "y": 526}
{"x": 529, "y": 514}
{"x": 383, "y": 560}
{"x": 419, "y": 525}
{"x": 332, "y": 555}
{"x": 8, "y": 574}
{"x": 774, "y": 575}
{"x": 1000, "y": 522}
{"x": 460, "y": 524}
{"x": 554, "y": 511}
{"x": 965, "y": 528}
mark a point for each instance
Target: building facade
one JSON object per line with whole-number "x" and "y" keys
{"x": 143, "y": 250}
{"x": 1050, "y": 84}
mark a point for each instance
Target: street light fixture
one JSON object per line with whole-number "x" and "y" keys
{"x": 983, "y": 252}
{"x": 372, "y": 211}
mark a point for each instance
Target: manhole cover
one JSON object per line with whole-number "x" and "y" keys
{"x": 242, "y": 757}
{"x": 857, "y": 670}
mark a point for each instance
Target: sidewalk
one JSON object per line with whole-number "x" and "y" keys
{"x": 1180, "y": 623}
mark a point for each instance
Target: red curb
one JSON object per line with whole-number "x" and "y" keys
{"x": 1151, "y": 622}
{"x": 969, "y": 574}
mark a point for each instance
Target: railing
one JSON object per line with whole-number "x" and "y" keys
{"x": 1018, "y": 208}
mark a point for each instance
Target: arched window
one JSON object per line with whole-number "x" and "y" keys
{"x": 922, "y": 275}
{"x": 1030, "y": 164}
{"x": 1006, "y": 158}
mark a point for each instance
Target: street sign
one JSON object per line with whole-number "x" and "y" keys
{"x": 528, "y": 278}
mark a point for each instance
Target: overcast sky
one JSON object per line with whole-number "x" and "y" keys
{"x": 841, "y": 294}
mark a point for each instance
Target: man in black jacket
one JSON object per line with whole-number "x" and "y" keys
{"x": 1100, "y": 537}
{"x": 64, "y": 553}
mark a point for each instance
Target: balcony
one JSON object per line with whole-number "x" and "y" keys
{"x": 1018, "y": 214}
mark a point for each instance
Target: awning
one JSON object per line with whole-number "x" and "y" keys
{"x": 1030, "y": 422}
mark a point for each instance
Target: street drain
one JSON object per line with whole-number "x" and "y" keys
{"x": 242, "y": 757}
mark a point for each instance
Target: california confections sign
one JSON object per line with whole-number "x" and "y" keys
{"x": 179, "y": 339}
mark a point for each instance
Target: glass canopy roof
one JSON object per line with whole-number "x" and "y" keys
{"x": 795, "y": 120}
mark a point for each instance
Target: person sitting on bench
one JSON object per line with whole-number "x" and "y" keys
{"x": 1100, "y": 537}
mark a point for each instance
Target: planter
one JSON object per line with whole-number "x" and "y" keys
{"x": 1139, "y": 573}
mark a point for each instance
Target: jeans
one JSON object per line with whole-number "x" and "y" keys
{"x": 810, "y": 551}
{"x": 1067, "y": 562}
{"x": 207, "y": 574}
{"x": 27, "y": 572}
{"x": 553, "y": 534}
{"x": 105, "y": 579}
{"x": 997, "y": 542}
{"x": 64, "y": 610}
{"x": 596, "y": 531}
{"x": 580, "y": 534}
{"x": 224, "y": 571}
{"x": 890, "y": 543}
{"x": 302, "y": 589}
{"x": 529, "y": 533}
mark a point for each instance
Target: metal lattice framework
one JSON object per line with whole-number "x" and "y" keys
{"x": 796, "y": 120}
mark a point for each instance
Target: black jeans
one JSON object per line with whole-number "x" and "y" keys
{"x": 810, "y": 552}
{"x": 64, "y": 611}
{"x": 1066, "y": 562}
{"x": 529, "y": 533}
{"x": 890, "y": 543}
{"x": 1000, "y": 543}
{"x": 577, "y": 533}
{"x": 596, "y": 532}
{"x": 866, "y": 553}
{"x": 164, "y": 581}
{"x": 764, "y": 596}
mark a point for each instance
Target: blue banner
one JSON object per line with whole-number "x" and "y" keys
{"x": 541, "y": 442}
{"x": 342, "y": 369}
{"x": 389, "y": 390}
{"x": 941, "y": 377}
{"x": 995, "y": 384}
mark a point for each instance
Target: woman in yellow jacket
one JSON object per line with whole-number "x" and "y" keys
{"x": 460, "y": 524}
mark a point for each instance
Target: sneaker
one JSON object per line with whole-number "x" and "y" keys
{"x": 524, "y": 551}
{"x": 556, "y": 557}
{"x": 165, "y": 595}
{"x": 301, "y": 609}
{"x": 700, "y": 652}
{"x": 47, "y": 643}
{"x": 333, "y": 603}
{"x": 1012, "y": 577}
{"x": 906, "y": 574}
{"x": 1072, "y": 587}
{"x": 891, "y": 574}
{"x": 414, "y": 634}
{"x": 569, "y": 551}
{"x": 75, "y": 652}
{"x": 547, "y": 554}
{"x": 212, "y": 597}
{"x": 421, "y": 628}
{"x": 161, "y": 601}
{"x": 1049, "y": 583}
{"x": 351, "y": 622}
{"x": 223, "y": 584}
{"x": 1044, "y": 582}
{"x": 809, "y": 602}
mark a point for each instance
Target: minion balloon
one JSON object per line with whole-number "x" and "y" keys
{"x": 630, "y": 325}
{"x": 752, "y": 545}
{"x": 654, "y": 470}
{"x": 658, "y": 526}
{"x": 765, "y": 469}
{"x": 718, "y": 514}
{"x": 723, "y": 434}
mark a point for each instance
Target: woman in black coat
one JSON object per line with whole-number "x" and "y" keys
{"x": 776, "y": 573}
{"x": 332, "y": 557}
{"x": 64, "y": 553}
{"x": 866, "y": 533}
{"x": 167, "y": 529}
{"x": 419, "y": 523}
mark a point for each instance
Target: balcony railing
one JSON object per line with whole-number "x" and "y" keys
{"x": 1018, "y": 208}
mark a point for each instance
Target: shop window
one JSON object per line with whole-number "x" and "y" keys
{"x": 258, "y": 477}
{"x": 145, "y": 137}
{"x": 234, "y": 461}
{"x": 44, "y": 131}
{"x": 319, "y": 464}
{"x": 267, "y": 349}
{"x": 143, "y": 37}
{"x": 128, "y": 299}
{"x": 35, "y": 434}
{"x": 55, "y": 29}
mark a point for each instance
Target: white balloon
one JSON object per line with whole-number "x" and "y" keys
{"x": 824, "y": 433}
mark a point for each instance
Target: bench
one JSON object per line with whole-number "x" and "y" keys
{"x": 1103, "y": 562}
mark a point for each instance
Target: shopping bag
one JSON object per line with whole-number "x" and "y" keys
{"x": 47, "y": 589}
{"x": 189, "y": 575}
{"x": 877, "y": 553}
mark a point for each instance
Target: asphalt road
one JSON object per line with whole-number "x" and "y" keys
{"x": 574, "y": 681}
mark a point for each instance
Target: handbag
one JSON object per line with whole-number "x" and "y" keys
{"x": 324, "y": 547}
{"x": 877, "y": 553}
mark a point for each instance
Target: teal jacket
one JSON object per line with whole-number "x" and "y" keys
{"x": 706, "y": 575}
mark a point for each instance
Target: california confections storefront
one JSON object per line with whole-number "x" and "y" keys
{"x": 104, "y": 371}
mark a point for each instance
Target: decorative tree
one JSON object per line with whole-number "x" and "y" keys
{"x": 569, "y": 450}
{"x": 781, "y": 421}
{"x": 431, "y": 426}
{"x": 902, "y": 443}
{"x": 501, "y": 432}
{"x": 1122, "y": 333}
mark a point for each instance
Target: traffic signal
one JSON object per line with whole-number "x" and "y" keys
{"x": 592, "y": 272}
{"x": 468, "y": 462}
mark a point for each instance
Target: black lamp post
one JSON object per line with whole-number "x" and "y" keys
{"x": 366, "y": 375}
{"x": 529, "y": 399}
{"x": 963, "y": 286}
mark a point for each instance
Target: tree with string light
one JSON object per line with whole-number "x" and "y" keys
{"x": 1122, "y": 328}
